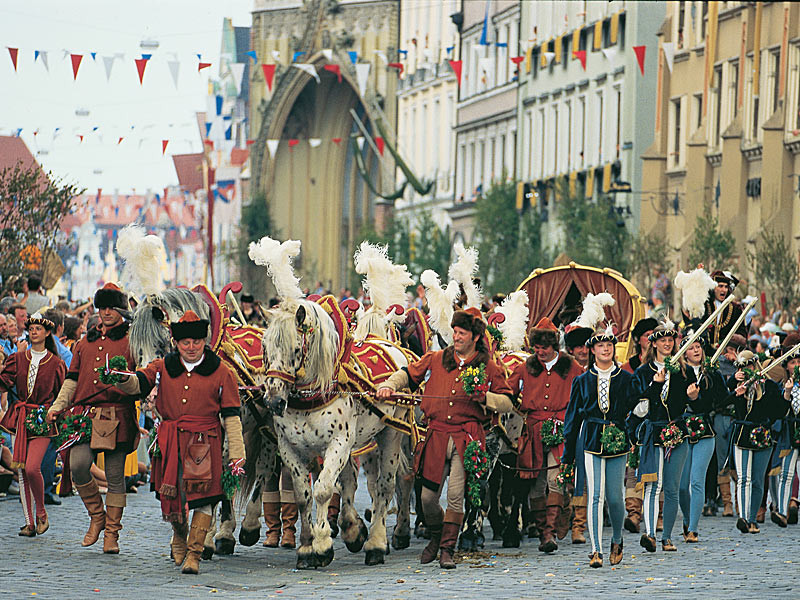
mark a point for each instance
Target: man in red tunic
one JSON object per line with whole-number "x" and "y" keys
{"x": 454, "y": 419}
{"x": 115, "y": 430}
{"x": 195, "y": 389}
{"x": 543, "y": 383}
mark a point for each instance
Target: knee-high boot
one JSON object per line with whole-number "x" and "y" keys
{"x": 197, "y": 537}
{"x": 553, "y": 509}
{"x": 90, "y": 494}
{"x": 272, "y": 519}
{"x": 633, "y": 506}
{"x": 434, "y": 524}
{"x": 579, "y": 525}
{"x": 115, "y": 503}
{"x": 289, "y": 521}
{"x": 177, "y": 545}
{"x": 724, "y": 482}
{"x": 447, "y": 545}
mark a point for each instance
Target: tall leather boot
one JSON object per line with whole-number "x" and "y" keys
{"x": 538, "y": 515}
{"x": 197, "y": 537}
{"x": 434, "y": 523}
{"x": 563, "y": 523}
{"x": 272, "y": 519}
{"x": 333, "y": 514}
{"x": 177, "y": 545}
{"x": 447, "y": 545}
{"x": 724, "y": 482}
{"x": 289, "y": 520}
{"x": 552, "y": 512}
{"x": 579, "y": 525}
{"x": 90, "y": 494}
{"x": 633, "y": 506}
{"x": 115, "y": 503}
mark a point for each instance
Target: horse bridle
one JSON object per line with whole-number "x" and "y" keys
{"x": 294, "y": 391}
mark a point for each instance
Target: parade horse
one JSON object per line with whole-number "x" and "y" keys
{"x": 319, "y": 385}
{"x": 239, "y": 347}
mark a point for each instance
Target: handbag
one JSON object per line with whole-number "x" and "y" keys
{"x": 104, "y": 429}
{"x": 197, "y": 465}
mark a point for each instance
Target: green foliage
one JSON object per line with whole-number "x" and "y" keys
{"x": 776, "y": 269}
{"x": 255, "y": 224}
{"x": 711, "y": 245}
{"x": 32, "y": 206}
{"x": 509, "y": 244}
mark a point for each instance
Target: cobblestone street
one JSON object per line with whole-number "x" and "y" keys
{"x": 56, "y": 566}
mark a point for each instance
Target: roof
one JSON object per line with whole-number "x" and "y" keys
{"x": 14, "y": 150}
{"x": 189, "y": 168}
{"x": 109, "y": 210}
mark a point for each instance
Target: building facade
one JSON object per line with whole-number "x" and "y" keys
{"x": 727, "y": 130}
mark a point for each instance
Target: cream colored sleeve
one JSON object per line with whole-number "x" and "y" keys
{"x": 397, "y": 381}
{"x": 499, "y": 403}
{"x": 233, "y": 429}
{"x": 130, "y": 386}
{"x": 64, "y": 396}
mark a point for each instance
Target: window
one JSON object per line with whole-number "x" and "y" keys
{"x": 542, "y": 137}
{"x": 527, "y": 171}
{"x": 698, "y": 110}
{"x": 703, "y": 20}
{"x": 675, "y": 132}
{"x": 681, "y": 23}
{"x": 601, "y": 127}
{"x": 502, "y": 154}
{"x": 618, "y": 119}
{"x": 775, "y": 65}
{"x": 569, "y": 135}
{"x": 716, "y": 91}
{"x": 734, "y": 88}
{"x": 492, "y": 163}
{"x": 582, "y": 131}
{"x": 554, "y": 164}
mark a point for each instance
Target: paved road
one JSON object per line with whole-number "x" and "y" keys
{"x": 56, "y": 566}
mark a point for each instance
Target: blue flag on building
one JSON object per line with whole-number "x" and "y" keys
{"x": 485, "y": 30}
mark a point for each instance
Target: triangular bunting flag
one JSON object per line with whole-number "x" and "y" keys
{"x": 581, "y": 56}
{"x": 76, "y": 63}
{"x": 43, "y": 56}
{"x": 119, "y": 141}
{"x": 141, "y": 63}
{"x": 269, "y": 74}
{"x": 164, "y": 146}
{"x": 147, "y": 56}
{"x": 398, "y": 66}
{"x": 362, "y": 74}
{"x": 669, "y": 54}
{"x": 81, "y": 137}
{"x": 549, "y": 56}
{"x": 314, "y": 142}
{"x": 360, "y": 142}
{"x": 250, "y": 142}
{"x": 456, "y": 65}
{"x": 517, "y": 59}
{"x": 640, "y": 50}
{"x": 237, "y": 71}
{"x": 94, "y": 55}
{"x": 379, "y": 144}
{"x": 208, "y": 128}
{"x": 174, "y": 68}
{"x": 610, "y": 53}
{"x": 252, "y": 54}
{"x": 328, "y": 54}
{"x": 108, "y": 62}
{"x": 202, "y": 65}
{"x": 353, "y": 56}
{"x": 308, "y": 68}
{"x": 293, "y": 142}
{"x": 336, "y": 140}
{"x": 334, "y": 69}
{"x": 13, "y": 52}
{"x": 272, "y": 146}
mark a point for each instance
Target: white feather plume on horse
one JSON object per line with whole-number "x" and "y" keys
{"x": 440, "y": 303}
{"x": 695, "y": 286}
{"x": 594, "y": 309}
{"x": 384, "y": 281}
{"x": 277, "y": 257}
{"x": 515, "y": 310}
{"x": 464, "y": 271}
{"x": 145, "y": 261}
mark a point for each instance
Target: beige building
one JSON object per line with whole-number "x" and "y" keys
{"x": 727, "y": 124}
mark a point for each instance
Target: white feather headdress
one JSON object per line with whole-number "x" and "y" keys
{"x": 463, "y": 271}
{"x": 145, "y": 261}
{"x": 384, "y": 281}
{"x": 515, "y": 309}
{"x": 593, "y": 312}
{"x": 440, "y": 303}
{"x": 277, "y": 257}
{"x": 695, "y": 287}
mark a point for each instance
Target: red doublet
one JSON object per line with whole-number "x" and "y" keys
{"x": 450, "y": 412}
{"x": 544, "y": 395}
{"x": 191, "y": 404}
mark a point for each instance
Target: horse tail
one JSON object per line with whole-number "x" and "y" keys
{"x": 253, "y": 443}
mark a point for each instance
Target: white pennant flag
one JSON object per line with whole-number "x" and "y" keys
{"x": 108, "y": 62}
{"x": 43, "y": 56}
{"x": 237, "y": 70}
{"x": 360, "y": 142}
{"x": 308, "y": 68}
{"x": 276, "y": 54}
{"x": 610, "y": 54}
{"x": 328, "y": 54}
{"x": 362, "y": 73}
{"x": 382, "y": 54}
{"x": 272, "y": 145}
{"x": 174, "y": 67}
{"x": 669, "y": 53}
{"x": 314, "y": 142}
{"x": 549, "y": 56}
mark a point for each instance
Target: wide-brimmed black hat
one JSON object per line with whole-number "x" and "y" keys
{"x": 576, "y": 336}
{"x": 189, "y": 326}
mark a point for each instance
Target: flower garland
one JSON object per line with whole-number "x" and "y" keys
{"x": 566, "y": 475}
{"x": 75, "y": 429}
{"x": 552, "y": 432}
{"x": 476, "y": 466}
{"x": 118, "y": 363}
{"x": 633, "y": 458}
{"x": 761, "y": 437}
{"x": 35, "y": 422}
{"x": 696, "y": 427}
{"x": 232, "y": 478}
{"x": 612, "y": 439}
{"x": 473, "y": 379}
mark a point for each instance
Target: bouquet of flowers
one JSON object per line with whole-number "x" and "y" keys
{"x": 118, "y": 363}
{"x": 476, "y": 466}
{"x": 612, "y": 439}
{"x": 696, "y": 427}
{"x": 75, "y": 429}
{"x": 553, "y": 432}
{"x": 496, "y": 334}
{"x": 633, "y": 458}
{"x": 473, "y": 380}
{"x": 35, "y": 422}
{"x": 671, "y": 437}
{"x": 566, "y": 475}
{"x": 232, "y": 477}
{"x": 761, "y": 437}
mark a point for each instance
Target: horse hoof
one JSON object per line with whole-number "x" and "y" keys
{"x": 466, "y": 542}
{"x": 373, "y": 557}
{"x": 368, "y": 515}
{"x": 225, "y": 546}
{"x": 249, "y": 537}
{"x": 207, "y": 553}
{"x": 358, "y": 543}
{"x": 511, "y": 540}
{"x": 333, "y": 523}
{"x": 324, "y": 559}
{"x": 401, "y": 542}
{"x": 306, "y": 561}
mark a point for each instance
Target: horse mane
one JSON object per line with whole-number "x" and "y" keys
{"x": 371, "y": 322}
{"x": 282, "y": 339}
{"x": 149, "y": 335}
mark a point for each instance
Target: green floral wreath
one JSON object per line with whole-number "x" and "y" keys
{"x": 552, "y": 432}
{"x": 35, "y": 422}
{"x": 633, "y": 458}
{"x": 476, "y": 466}
{"x": 671, "y": 436}
{"x": 71, "y": 424}
{"x": 696, "y": 427}
{"x": 612, "y": 439}
{"x": 566, "y": 475}
{"x": 118, "y": 363}
{"x": 671, "y": 367}
{"x": 761, "y": 437}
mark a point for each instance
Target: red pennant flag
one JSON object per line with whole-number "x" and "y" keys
{"x": 76, "y": 63}
{"x": 141, "y": 63}
{"x": 13, "y": 52}
{"x": 336, "y": 140}
{"x": 293, "y": 143}
{"x": 640, "y": 56}
{"x": 80, "y": 136}
{"x": 398, "y": 66}
{"x": 379, "y": 144}
{"x": 202, "y": 65}
{"x": 164, "y": 146}
{"x": 581, "y": 56}
{"x": 99, "y": 192}
{"x": 119, "y": 141}
{"x": 456, "y": 66}
{"x": 209, "y": 143}
{"x": 269, "y": 74}
{"x": 249, "y": 142}
{"x": 334, "y": 69}
{"x": 517, "y": 59}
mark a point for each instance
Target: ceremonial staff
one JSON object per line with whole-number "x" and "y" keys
{"x": 701, "y": 329}
{"x": 723, "y": 344}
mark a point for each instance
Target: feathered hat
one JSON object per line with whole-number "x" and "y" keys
{"x": 593, "y": 314}
{"x": 277, "y": 257}
{"x": 702, "y": 340}
{"x": 725, "y": 277}
{"x": 464, "y": 271}
{"x": 384, "y": 281}
{"x": 544, "y": 333}
{"x": 145, "y": 261}
{"x": 37, "y": 319}
{"x": 695, "y": 287}
{"x": 665, "y": 328}
{"x": 745, "y": 358}
{"x": 515, "y": 310}
{"x": 110, "y": 296}
{"x": 440, "y": 303}
{"x": 189, "y": 326}
{"x": 470, "y": 319}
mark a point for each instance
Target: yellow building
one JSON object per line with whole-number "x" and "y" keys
{"x": 727, "y": 125}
